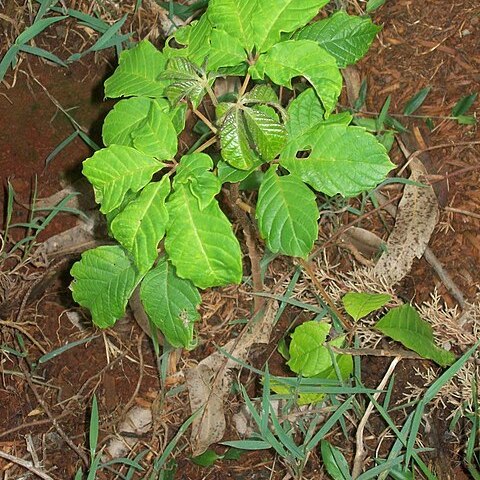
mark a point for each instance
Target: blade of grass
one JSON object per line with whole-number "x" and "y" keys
{"x": 327, "y": 426}
{"x": 36, "y": 28}
{"x": 40, "y": 52}
{"x": 93, "y": 433}
{"x": 8, "y": 59}
{"x": 416, "y": 101}
{"x": 160, "y": 462}
{"x": 45, "y": 6}
{"x": 430, "y": 394}
{"x": 55, "y": 353}
{"x": 60, "y": 147}
{"x": 102, "y": 42}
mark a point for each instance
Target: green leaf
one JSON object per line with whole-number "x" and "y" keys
{"x": 125, "y": 118}
{"x": 334, "y": 461}
{"x": 195, "y": 37}
{"x": 115, "y": 170}
{"x": 416, "y": 101}
{"x": 200, "y": 243}
{"x": 227, "y": 173}
{"x": 273, "y": 17}
{"x": 157, "y": 136}
{"x": 287, "y": 214}
{"x": 225, "y": 51}
{"x": 306, "y": 113}
{"x": 466, "y": 120}
{"x": 234, "y": 17}
{"x": 268, "y": 134}
{"x": 185, "y": 80}
{"x": 137, "y": 73}
{"x": 194, "y": 171}
{"x": 382, "y": 116}
{"x": 184, "y": 11}
{"x": 128, "y": 115}
{"x": 346, "y": 37}
{"x": 141, "y": 225}
{"x": 308, "y": 355}
{"x": 404, "y": 325}
{"x": 293, "y": 58}
{"x": 207, "y": 458}
{"x": 359, "y": 305}
{"x": 373, "y": 5}
{"x": 205, "y": 44}
{"x": 104, "y": 280}
{"x": 261, "y": 93}
{"x": 232, "y": 454}
{"x": 235, "y": 142}
{"x": 387, "y": 139}
{"x": 464, "y": 104}
{"x": 171, "y": 303}
{"x": 341, "y": 159}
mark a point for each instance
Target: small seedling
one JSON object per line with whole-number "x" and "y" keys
{"x": 278, "y": 125}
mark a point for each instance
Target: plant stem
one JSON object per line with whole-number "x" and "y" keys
{"x": 253, "y": 253}
{"x": 307, "y": 266}
{"x": 244, "y": 86}
{"x": 212, "y": 95}
{"x": 205, "y": 120}
{"x": 205, "y": 145}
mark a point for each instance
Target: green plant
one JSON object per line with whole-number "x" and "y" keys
{"x": 109, "y": 35}
{"x": 96, "y": 463}
{"x": 278, "y": 127}
{"x": 37, "y": 222}
{"x": 403, "y": 324}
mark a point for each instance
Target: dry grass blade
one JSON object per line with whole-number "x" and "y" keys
{"x": 209, "y": 382}
{"x": 416, "y": 218}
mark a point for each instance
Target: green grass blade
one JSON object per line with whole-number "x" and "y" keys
{"x": 8, "y": 59}
{"x": 45, "y": 6}
{"x": 93, "y": 433}
{"x": 430, "y": 394}
{"x": 40, "y": 52}
{"x": 123, "y": 461}
{"x": 416, "y": 101}
{"x": 9, "y": 213}
{"x": 463, "y": 105}
{"x": 160, "y": 462}
{"x": 37, "y": 27}
{"x": 473, "y": 438}
{"x": 55, "y": 353}
{"x": 87, "y": 20}
{"x": 375, "y": 471}
{"x": 103, "y": 41}
{"x": 131, "y": 470}
{"x": 291, "y": 301}
{"x": 60, "y": 147}
{"x": 88, "y": 140}
{"x": 380, "y": 123}
{"x": 248, "y": 444}
{"x": 327, "y": 426}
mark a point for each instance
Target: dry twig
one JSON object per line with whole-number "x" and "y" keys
{"x": 361, "y": 453}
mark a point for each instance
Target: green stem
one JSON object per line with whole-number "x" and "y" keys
{"x": 212, "y": 95}
{"x": 244, "y": 86}
{"x": 205, "y": 120}
{"x": 205, "y": 145}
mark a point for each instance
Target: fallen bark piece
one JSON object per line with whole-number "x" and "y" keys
{"x": 416, "y": 218}
{"x": 209, "y": 382}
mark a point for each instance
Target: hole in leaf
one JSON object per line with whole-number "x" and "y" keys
{"x": 301, "y": 154}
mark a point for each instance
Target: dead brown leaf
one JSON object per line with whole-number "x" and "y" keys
{"x": 209, "y": 382}
{"x": 416, "y": 218}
